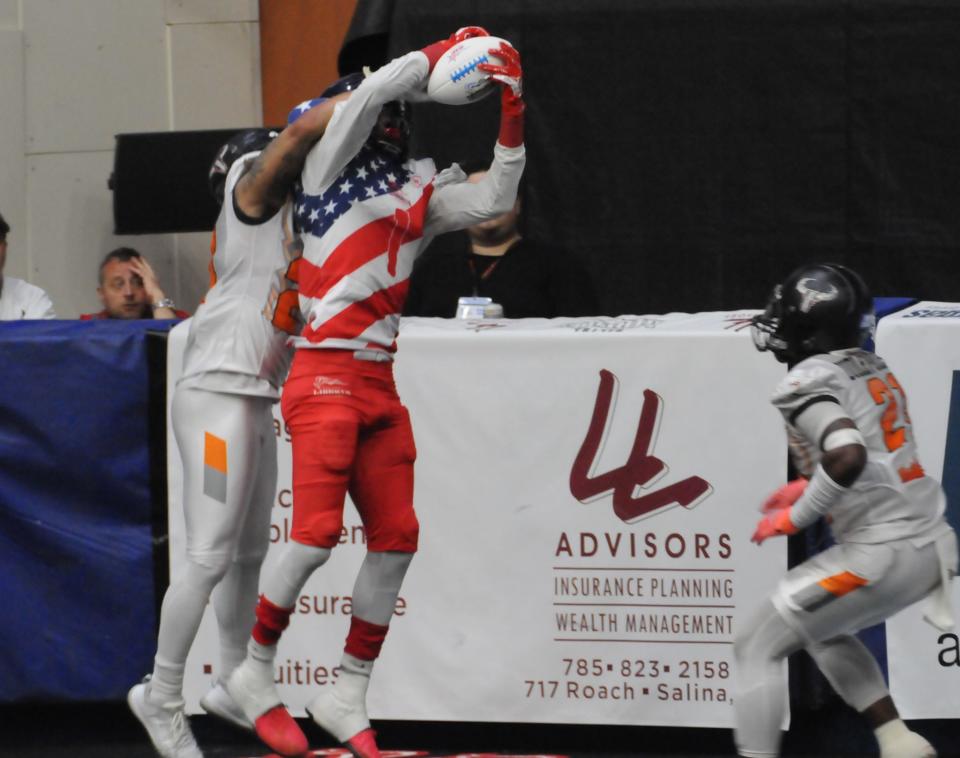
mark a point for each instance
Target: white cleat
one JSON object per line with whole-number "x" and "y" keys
{"x": 218, "y": 702}
{"x": 909, "y": 745}
{"x": 251, "y": 688}
{"x": 167, "y": 726}
{"x": 336, "y": 716}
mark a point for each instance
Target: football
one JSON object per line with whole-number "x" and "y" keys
{"x": 455, "y": 79}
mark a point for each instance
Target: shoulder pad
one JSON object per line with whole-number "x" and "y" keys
{"x": 809, "y": 379}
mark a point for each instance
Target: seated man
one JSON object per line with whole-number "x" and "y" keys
{"x": 129, "y": 289}
{"x": 496, "y": 259}
{"x": 19, "y": 299}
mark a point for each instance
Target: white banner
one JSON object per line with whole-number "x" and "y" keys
{"x": 922, "y": 346}
{"x": 586, "y": 490}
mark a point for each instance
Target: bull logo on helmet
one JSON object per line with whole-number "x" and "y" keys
{"x": 813, "y": 292}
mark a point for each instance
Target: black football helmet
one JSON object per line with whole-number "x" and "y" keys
{"x": 249, "y": 141}
{"x": 818, "y": 308}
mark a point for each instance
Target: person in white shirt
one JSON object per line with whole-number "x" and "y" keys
{"x": 20, "y": 300}
{"x": 851, "y": 439}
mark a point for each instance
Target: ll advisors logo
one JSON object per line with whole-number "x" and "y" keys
{"x": 640, "y": 471}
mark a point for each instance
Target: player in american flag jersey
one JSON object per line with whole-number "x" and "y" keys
{"x": 234, "y": 363}
{"x": 850, "y": 433}
{"x": 366, "y": 213}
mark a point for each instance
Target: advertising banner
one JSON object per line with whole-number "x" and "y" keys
{"x": 586, "y": 490}
{"x": 922, "y": 347}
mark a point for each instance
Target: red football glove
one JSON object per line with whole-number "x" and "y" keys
{"x": 434, "y": 51}
{"x": 786, "y": 496}
{"x": 774, "y": 524}
{"x": 510, "y": 76}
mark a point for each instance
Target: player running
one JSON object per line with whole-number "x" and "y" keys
{"x": 234, "y": 364}
{"x": 850, "y": 435}
{"x": 367, "y": 212}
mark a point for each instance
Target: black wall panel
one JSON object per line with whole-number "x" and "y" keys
{"x": 693, "y": 152}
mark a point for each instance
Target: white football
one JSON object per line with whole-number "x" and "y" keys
{"x": 455, "y": 79}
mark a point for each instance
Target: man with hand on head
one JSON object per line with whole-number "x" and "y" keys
{"x": 233, "y": 367}
{"x": 366, "y": 212}
{"x": 129, "y": 289}
{"x": 851, "y": 438}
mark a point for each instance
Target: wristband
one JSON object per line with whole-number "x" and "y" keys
{"x": 165, "y": 302}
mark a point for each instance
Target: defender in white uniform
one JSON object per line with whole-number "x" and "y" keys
{"x": 850, "y": 435}
{"x": 234, "y": 364}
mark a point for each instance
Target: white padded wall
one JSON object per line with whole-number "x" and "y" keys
{"x": 9, "y": 14}
{"x": 13, "y": 205}
{"x": 78, "y": 72}
{"x": 211, "y": 11}
{"x": 215, "y": 70}
{"x": 94, "y": 68}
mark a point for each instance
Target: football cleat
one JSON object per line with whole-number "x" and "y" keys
{"x": 909, "y": 745}
{"x": 278, "y": 731}
{"x": 363, "y": 745}
{"x": 218, "y": 702}
{"x": 166, "y": 725}
{"x": 345, "y": 721}
{"x": 252, "y": 689}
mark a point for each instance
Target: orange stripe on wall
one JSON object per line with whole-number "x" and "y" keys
{"x": 215, "y": 452}
{"x": 841, "y": 584}
{"x": 299, "y": 44}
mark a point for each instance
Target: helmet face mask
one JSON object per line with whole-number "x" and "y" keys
{"x": 392, "y": 130}
{"x": 817, "y": 309}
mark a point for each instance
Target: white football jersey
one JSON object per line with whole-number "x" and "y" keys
{"x": 238, "y": 336}
{"x": 893, "y": 498}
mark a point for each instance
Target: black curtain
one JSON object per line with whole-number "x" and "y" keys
{"x": 692, "y": 152}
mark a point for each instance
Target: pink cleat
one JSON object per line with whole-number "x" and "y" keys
{"x": 281, "y": 733}
{"x": 363, "y": 744}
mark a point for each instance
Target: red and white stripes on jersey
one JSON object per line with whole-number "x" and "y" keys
{"x": 354, "y": 279}
{"x": 365, "y": 217}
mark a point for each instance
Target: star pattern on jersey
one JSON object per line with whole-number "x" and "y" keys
{"x": 369, "y": 175}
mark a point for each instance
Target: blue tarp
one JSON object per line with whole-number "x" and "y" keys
{"x": 77, "y": 616}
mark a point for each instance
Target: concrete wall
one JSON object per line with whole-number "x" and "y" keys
{"x": 77, "y": 72}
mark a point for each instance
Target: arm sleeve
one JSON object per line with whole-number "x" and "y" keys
{"x": 353, "y": 119}
{"x": 459, "y": 205}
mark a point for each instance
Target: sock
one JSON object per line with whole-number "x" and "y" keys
{"x": 166, "y": 684}
{"x": 354, "y": 679}
{"x": 364, "y": 640}
{"x": 234, "y": 600}
{"x": 271, "y": 621}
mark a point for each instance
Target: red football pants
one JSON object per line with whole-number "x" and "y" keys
{"x": 349, "y": 433}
